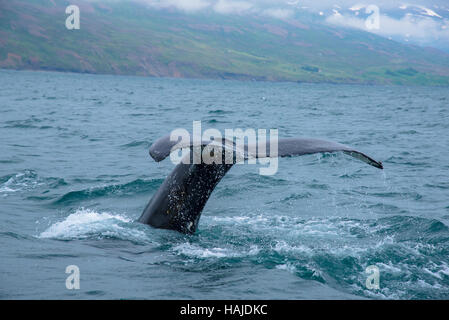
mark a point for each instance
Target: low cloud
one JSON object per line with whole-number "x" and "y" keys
{"x": 273, "y": 8}
{"x": 278, "y": 13}
{"x": 227, "y": 7}
{"x": 419, "y": 29}
{"x": 183, "y": 5}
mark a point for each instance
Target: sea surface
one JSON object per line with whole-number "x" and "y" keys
{"x": 75, "y": 175}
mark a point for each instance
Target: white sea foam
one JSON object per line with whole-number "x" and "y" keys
{"x": 283, "y": 247}
{"x": 286, "y": 266}
{"x": 196, "y": 251}
{"x": 242, "y": 219}
{"x": 85, "y": 223}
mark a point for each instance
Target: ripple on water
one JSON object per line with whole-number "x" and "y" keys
{"x": 126, "y": 189}
{"x": 27, "y": 180}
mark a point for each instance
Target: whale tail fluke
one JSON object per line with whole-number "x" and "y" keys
{"x": 179, "y": 201}
{"x": 287, "y": 147}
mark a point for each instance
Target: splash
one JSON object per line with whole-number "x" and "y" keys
{"x": 86, "y": 223}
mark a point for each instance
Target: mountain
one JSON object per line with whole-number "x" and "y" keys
{"x": 118, "y": 37}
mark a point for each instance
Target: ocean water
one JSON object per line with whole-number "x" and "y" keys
{"x": 75, "y": 175}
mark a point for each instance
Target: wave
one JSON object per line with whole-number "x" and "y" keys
{"x": 30, "y": 123}
{"x": 27, "y": 180}
{"x": 126, "y": 189}
{"x": 220, "y": 111}
{"x": 136, "y": 143}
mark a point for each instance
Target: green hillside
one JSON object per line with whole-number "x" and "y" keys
{"x": 128, "y": 38}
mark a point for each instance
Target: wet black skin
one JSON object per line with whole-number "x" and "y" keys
{"x": 178, "y": 203}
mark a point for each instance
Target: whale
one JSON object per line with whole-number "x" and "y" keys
{"x": 179, "y": 201}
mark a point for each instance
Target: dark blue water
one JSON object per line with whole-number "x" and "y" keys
{"x": 75, "y": 175}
